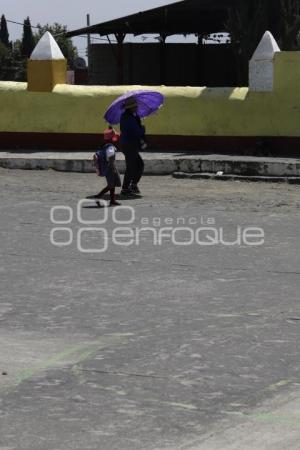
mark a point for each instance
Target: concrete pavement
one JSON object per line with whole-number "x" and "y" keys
{"x": 148, "y": 346}
{"x": 275, "y": 425}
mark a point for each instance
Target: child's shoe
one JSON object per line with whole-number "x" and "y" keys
{"x": 114, "y": 203}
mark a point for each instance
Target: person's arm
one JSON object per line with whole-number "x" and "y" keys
{"x": 143, "y": 129}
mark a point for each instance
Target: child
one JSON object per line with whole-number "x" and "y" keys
{"x": 104, "y": 160}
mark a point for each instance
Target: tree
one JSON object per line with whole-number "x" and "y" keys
{"x": 247, "y": 22}
{"x": 249, "y": 19}
{"x": 3, "y": 51}
{"x": 19, "y": 62}
{"x": 13, "y": 55}
{"x": 3, "y": 57}
{"x": 4, "y": 36}
{"x": 290, "y": 24}
{"x": 12, "y": 65}
{"x": 13, "y": 58}
{"x": 28, "y": 41}
{"x": 58, "y": 32}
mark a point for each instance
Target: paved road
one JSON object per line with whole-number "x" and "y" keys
{"x": 148, "y": 346}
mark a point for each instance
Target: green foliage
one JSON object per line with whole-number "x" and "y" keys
{"x": 3, "y": 51}
{"x": 58, "y": 32}
{"x": 12, "y": 64}
{"x": 4, "y": 36}
{"x": 28, "y": 41}
{"x": 13, "y": 56}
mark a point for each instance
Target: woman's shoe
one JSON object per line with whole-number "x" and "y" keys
{"x": 127, "y": 193}
{"x": 134, "y": 188}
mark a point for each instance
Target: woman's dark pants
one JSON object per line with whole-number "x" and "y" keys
{"x": 134, "y": 167}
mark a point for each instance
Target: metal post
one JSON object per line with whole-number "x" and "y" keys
{"x": 88, "y": 45}
{"x": 163, "y": 62}
{"x": 200, "y": 60}
{"x": 120, "y": 39}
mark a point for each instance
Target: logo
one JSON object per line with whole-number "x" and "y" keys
{"x": 119, "y": 226}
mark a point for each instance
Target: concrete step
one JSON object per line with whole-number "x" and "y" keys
{"x": 158, "y": 163}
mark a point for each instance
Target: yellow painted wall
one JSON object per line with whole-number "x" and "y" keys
{"x": 287, "y": 74}
{"x": 44, "y": 75}
{"x": 187, "y": 111}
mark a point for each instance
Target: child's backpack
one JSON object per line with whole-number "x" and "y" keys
{"x": 100, "y": 161}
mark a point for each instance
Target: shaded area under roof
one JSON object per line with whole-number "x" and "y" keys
{"x": 183, "y": 17}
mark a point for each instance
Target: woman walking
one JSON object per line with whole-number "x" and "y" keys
{"x": 132, "y": 139}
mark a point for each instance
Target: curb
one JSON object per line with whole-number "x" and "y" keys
{"x": 63, "y": 165}
{"x": 231, "y": 177}
{"x": 164, "y": 163}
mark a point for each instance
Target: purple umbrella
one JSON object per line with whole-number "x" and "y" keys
{"x": 148, "y": 102}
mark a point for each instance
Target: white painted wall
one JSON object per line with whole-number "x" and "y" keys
{"x": 261, "y": 66}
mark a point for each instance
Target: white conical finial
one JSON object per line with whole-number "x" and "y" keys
{"x": 47, "y": 49}
{"x": 261, "y": 67}
{"x": 266, "y": 48}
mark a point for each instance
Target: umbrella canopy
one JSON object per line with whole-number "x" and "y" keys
{"x": 147, "y": 103}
